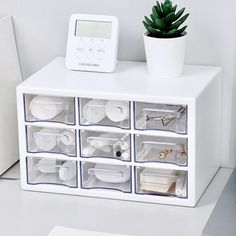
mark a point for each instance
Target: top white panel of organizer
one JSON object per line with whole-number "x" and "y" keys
{"x": 130, "y": 81}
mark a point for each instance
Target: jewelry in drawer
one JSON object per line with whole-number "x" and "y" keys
{"x": 104, "y": 112}
{"x": 151, "y": 116}
{"x": 41, "y": 170}
{"x": 105, "y": 144}
{"x": 51, "y": 140}
{"x": 106, "y": 176}
{"x": 49, "y": 109}
{"x": 161, "y": 149}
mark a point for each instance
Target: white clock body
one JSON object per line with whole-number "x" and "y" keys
{"x": 92, "y": 43}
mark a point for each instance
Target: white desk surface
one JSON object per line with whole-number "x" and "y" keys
{"x": 64, "y": 231}
{"x": 36, "y": 214}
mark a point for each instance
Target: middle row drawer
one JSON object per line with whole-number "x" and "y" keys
{"x": 97, "y": 144}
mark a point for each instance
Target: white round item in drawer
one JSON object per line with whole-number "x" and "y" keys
{"x": 94, "y": 111}
{"x": 46, "y": 108}
{"x": 68, "y": 138}
{"x": 47, "y": 166}
{"x": 112, "y": 173}
{"x": 46, "y": 139}
{"x": 117, "y": 110}
{"x": 67, "y": 171}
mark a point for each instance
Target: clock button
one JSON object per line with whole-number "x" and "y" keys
{"x": 90, "y": 53}
{"x": 90, "y": 43}
{"x": 100, "y": 54}
{"x": 101, "y": 43}
{"x": 80, "y": 52}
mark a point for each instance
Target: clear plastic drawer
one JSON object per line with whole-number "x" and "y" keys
{"x": 105, "y": 176}
{"x": 161, "y": 149}
{"x": 150, "y": 116}
{"x": 51, "y": 140}
{"x": 105, "y": 113}
{"x": 49, "y": 109}
{"x": 105, "y": 144}
{"x": 42, "y": 170}
{"x": 161, "y": 182}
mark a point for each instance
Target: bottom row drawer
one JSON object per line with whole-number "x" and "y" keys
{"x": 52, "y": 171}
{"x": 161, "y": 182}
{"x": 95, "y": 175}
{"x": 147, "y": 181}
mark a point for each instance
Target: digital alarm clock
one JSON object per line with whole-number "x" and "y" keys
{"x": 92, "y": 43}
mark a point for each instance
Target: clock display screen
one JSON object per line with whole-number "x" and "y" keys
{"x": 93, "y": 29}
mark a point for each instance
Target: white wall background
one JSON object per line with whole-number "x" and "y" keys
{"x": 41, "y": 32}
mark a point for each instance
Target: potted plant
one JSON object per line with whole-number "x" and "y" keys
{"x": 165, "y": 40}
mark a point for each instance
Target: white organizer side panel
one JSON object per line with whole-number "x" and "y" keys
{"x": 208, "y": 134}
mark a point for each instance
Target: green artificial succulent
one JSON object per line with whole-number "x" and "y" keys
{"x": 165, "y": 22}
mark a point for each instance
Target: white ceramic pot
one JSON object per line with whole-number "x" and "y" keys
{"x": 165, "y": 56}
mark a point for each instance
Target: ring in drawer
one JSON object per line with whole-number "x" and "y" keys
{"x": 104, "y": 112}
{"x": 51, "y": 140}
{"x": 41, "y": 170}
{"x": 161, "y": 182}
{"x": 40, "y": 108}
{"x": 150, "y": 116}
{"x": 161, "y": 149}
{"x": 105, "y": 145}
{"x": 106, "y": 176}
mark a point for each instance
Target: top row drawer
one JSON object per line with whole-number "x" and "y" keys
{"x": 98, "y": 112}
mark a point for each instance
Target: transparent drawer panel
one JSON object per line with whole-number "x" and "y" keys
{"x": 105, "y": 176}
{"x": 49, "y": 109}
{"x": 42, "y": 170}
{"x": 161, "y": 182}
{"x": 104, "y": 112}
{"x": 51, "y": 140}
{"x": 150, "y": 116}
{"x": 105, "y": 144}
{"x": 161, "y": 149}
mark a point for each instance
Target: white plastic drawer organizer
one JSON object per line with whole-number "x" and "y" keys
{"x": 121, "y": 135}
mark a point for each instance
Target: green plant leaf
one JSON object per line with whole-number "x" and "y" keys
{"x": 146, "y": 25}
{"x": 154, "y": 32}
{"x": 155, "y": 12}
{"x": 159, "y": 10}
{"x": 151, "y": 23}
{"x": 160, "y": 24}
{"x": 174, "y": 8}
{"x": 169, "y": 18}
{"x": 162, "y": 6}
{"x": 179, "y": 14}
{"x": 180, "y": 31}
{"x": 152, "y": 17}
{"x": 167, "y": 9}
{"x": 179, "y": 22}
{"x": 170, "y": 33}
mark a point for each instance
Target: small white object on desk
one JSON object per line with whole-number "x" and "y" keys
{"x": 64, "y": 231}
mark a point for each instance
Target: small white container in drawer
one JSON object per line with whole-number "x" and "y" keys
{"x": 49, "y": 108}
{"x": 161, "y": 182}
{"x": 104, "y": 113}
{"x": 41, "y": 170}
{"x": 105, "y": 145}
{"x": 151, "y": 116}
{"x": 51, "y": 140}
{"x": 161, "y": 149}
{"x": 105, "y": 176}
